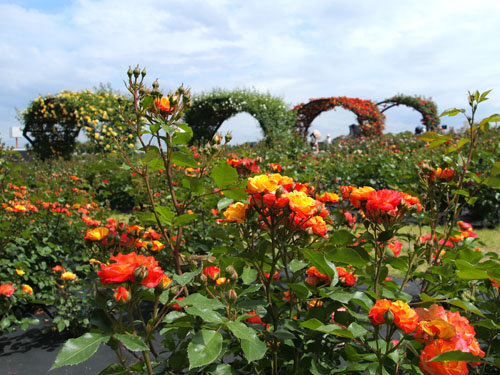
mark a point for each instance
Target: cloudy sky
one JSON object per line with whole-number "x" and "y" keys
{"x": 293, "y": 49}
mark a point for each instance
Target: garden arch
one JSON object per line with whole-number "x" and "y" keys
{"x": 209, "y": 111}
{"x": 369, "y": 117}
{"x": 426, "y": 107}
{"x": 52, "y": 122}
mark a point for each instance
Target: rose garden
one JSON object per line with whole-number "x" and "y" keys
{"x": 185, "y": 255}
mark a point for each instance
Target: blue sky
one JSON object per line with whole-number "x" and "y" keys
{"x": 293, "y": 49}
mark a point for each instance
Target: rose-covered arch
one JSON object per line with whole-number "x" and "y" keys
{"x": 370, "y": 119}
{"x": 426, "y": 107}
{"x": 209, "y": 111}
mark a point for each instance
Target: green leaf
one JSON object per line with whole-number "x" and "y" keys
{"x": 461, "y": 192}
{"x": 296, "y": 265}
{"x": 493, "y": 182}
{"x": 207, "y": 314}
{"x": 147, "y": 101}
{"x": 483, "y": 97}
{"x": 300, "y": 290}
{"x": 133, "y": 343}
{"x": 223, "y": 203}
{"x": 249, "y": 275}
{"x": 115, "y": 369}
{"x": 185, "y": 219}
{"x": 224, "y": 175}
{"x": 429, "y": 136}
{"x": 357, "y": 330}
{"x": 342, "y": 237}
{"x": 346, "y": 256}
{"x": 466, "y": 306}
{"x": 186, "y": 277}
{"x": 77, "y": 350}
{"x": 204, "y": 348}
{"x": 172, "y": 316}
{"x": 222, "y": 369}
{"x": 456, "y": 355}
{"x": 253, "y": 348}
{"x": 184, "y": 159}
{"x": 485, "y": 122}
{"x": 166, "y": 215}
{"x": 201, "y": 301}
{"x": 452, "y": 112}
{"x": 319, "y": 260}
{"x": 238, "y": 194}
{"x": 181, "y": 138}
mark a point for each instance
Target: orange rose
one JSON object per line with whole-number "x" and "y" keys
{"x": 124, "y": 267}
{"x": 359, "y": 194}
{"x": 378, "y": 310}
{"x": 163, "y": 104}
{"x": 445, "y": 174}
{"x": 328, "y": 197}
{"x": 27, "y": 289}
{"x": 212, "y": 272}
{"x": 96, "y": 234}
{"x": 434, "y": 349}
{"x": 314, "y": 277}
{"x": 236, "y": 212}
{"x": 428, "y": 330}
{"x": 58, "y": 268}
{"x": 405, "y": 317}
{"x": 7, "y": 289}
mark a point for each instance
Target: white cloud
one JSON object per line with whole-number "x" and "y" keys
{"x": 292, "y": 49}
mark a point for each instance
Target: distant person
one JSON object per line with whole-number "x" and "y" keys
{"x": 315, "y": 137}
{"x": 328, "y": 140}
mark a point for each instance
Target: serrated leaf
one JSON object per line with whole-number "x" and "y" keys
{"x": 461, "y": 192}
{"x": 296, "y": 265}
{"x": 347, "y": 256}
{"x": 166, "y": 215}
{"x": 172, "y": 316}
{"x": 185, "y": 219}
{"x": 222, "y": 369}
{"x": 493, "y": 182}
{"x": 186, "y": 277}
{"x": 204, "y": 348}
{"x": 224, "y": 175}
{"x": 238, "y": 194}
{"x": 115, "y": 369}
{"x": 452, "y": 112}
{"x": 207, "y": 314}
{"x": 466, "y": 306}
{"x": 133, "y": 343}
{"x": 181, "y": 138}
{"x": 201, "y": 301}
{"x": 183, "y": 159}
{"x": 75, "y": 351}
{"x": 456, "y": 355}
{"x": 252, "y": 346}
{"x": 249, "y": 275}
{"x": 319, "y": 260}
{"x": 223, "y": 203}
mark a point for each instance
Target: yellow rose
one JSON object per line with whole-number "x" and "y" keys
{"x": 261, "y": 184}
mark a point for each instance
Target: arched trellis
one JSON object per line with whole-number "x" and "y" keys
{"x": 426, "y": 107}
{"x": 210, "y": 110}
{"x": 369, "y": 117}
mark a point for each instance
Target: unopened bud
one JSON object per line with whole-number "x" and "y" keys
{"x": 129, "y": 72}
{"x": 232, "y": 295}
{"x": 232, "y": 272}
{"x": 137, "y": 71}
{"x": 228, "y": 137}
{"x": 389, "y": 317}
{"x": 141, "y": 273}
{"x": 143, "y": 73}
{"x": 156, "y": 84}
{"x": 279, "y": 191}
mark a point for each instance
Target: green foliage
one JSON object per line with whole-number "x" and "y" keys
{"x": 210, "y": 110}
{"x": 426, "y": 107}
